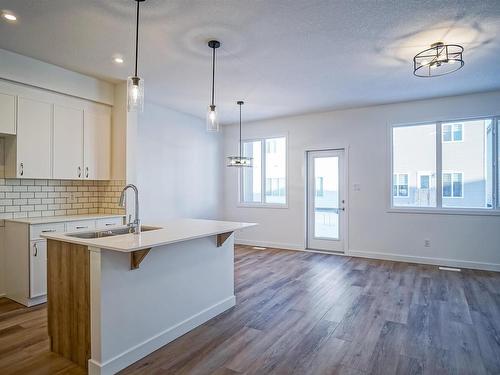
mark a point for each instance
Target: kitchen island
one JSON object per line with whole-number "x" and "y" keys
{"x": 113, "y": 299}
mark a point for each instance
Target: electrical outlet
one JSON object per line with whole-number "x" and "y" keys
{"x": 427, "y": 243}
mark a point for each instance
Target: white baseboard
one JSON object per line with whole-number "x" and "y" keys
{"x": 382, "y": 256}
{"x": 277, "y": 245}
{"x": 425, "y": 260}
{"x": 148, "y": 346}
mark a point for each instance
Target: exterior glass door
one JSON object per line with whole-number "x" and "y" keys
{"x": 325, "y": 200}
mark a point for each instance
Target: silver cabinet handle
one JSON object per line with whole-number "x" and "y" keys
{"x": 86, "y": 172}
{"x": 81, "y": 227}
{"x": 35, "y": 250}
{"x": 21, "y": 172}
{"x": 79, "y": 171}
{"x": 48, "y": 230}
{"x": 109, "y": 224}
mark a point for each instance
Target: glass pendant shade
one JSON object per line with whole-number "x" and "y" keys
{"x": 135, "y": 94}
{"x": 212, "y": 119}
{"x": 239, "y": 161}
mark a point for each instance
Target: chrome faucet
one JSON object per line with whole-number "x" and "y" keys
{"x": 134, "y": 226}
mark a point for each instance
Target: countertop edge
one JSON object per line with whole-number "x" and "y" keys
{"x": 95, "y": 242}
{"x": 61, "y": 219}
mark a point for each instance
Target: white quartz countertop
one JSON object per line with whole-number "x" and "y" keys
{"x": 170, "y": 232}
{"x": 62, "y": 218}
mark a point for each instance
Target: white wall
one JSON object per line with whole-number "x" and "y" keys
{"x": 178, "y": 166}
{"x": 472, "y": 241}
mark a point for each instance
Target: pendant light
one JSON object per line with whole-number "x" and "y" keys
{"x": 240, "y": 160}
{"x": 438, "y": 60}
{"x": 212, "y": 118}
{"x": 135, "y": 84}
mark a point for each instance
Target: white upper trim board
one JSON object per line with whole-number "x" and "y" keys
{"x": 28, "y": 71}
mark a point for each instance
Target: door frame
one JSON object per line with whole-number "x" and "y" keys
{"x": 345, "y": 231}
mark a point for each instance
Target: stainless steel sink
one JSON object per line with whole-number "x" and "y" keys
{"x": 110, "y": 232}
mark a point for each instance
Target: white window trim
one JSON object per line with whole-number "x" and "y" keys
{"x": 451, "y": 124}
{"x": 494, "y": 211}
{"x": 262, "y": 203}
{"x": 452, "y": 188}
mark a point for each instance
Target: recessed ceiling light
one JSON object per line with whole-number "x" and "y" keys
{"x": 9, "y": 16}
{"x": 118, "y": 60}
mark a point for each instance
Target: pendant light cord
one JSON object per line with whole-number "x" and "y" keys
{"x": 213, "y": 74}
{"x": 137, "y": 38}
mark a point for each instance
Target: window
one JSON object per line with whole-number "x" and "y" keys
{"x": 452, "y": 132}
{"x": 454, "y": 172}
{"x": 400, "y": 188}
{"x": 268, "y": 173}
{"x": 424, "y": 181}
{"x": 414, "y": 150}
{"x": 452, "y": 185}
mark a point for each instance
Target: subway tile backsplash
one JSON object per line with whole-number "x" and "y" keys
{"x": 21, "y": 198}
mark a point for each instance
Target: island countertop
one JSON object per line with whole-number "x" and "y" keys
{"x": 171, "y": 232}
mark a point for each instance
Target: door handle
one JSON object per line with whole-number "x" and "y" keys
{"x": 79, "y": 171}
{"x": 86, "y": 172}
{"x": 21, "y": 172}
{"x": 35, "y": 250}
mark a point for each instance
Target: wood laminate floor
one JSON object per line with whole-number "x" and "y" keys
{"x": 305, "y": 313}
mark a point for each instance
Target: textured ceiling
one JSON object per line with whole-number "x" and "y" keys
{"x": 282, "y": 57}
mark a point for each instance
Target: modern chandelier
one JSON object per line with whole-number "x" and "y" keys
{"x": 438, "y": 60}
{"x": 135, "y": 84}
{"x": 240, "y": 160}
{"x": 212, "y": 118}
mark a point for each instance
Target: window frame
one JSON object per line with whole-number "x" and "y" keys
{"x": 451, "y": 124}
{"x": 398, "y": 195}
{"x": 439, "y": 209}
{"x": 453, "y": 196}
{"x": 263, "y": 203}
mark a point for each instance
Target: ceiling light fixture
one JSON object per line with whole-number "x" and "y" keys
{"x": 9, "y": 16}
{"x": 240, "y": 160}
{"x": 438, "y": 60}
{"x": 212, "y": 118}
{"x": 135, "y": 85}
{"x": 118, "y": 60}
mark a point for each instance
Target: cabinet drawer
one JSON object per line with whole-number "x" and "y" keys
{"x": 75, "y": 226}
{"x": 36, "y": 230}
{"x": 106, "y": 223}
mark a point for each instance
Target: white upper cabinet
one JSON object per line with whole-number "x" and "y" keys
{"x": 8, "y": 114}
{"x": 34, "y": 135}
{"x": 48, "y": 135}
{"x": 97, "y": 144}
{"x": 68, "y": 142}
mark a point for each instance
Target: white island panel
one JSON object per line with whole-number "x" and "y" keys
{"x": 177, "y": 287}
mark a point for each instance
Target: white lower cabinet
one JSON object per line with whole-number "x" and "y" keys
{"x": 38, "y": 268}
{"x": 26, "y": 255}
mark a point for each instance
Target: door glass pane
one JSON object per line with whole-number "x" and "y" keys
{"x": 251, "y": 177}
{"x": 275, "y": 170}
{"x": 468, "y": 165}
{"x": 414, "y": 156}
{"x": 326, "y": 204}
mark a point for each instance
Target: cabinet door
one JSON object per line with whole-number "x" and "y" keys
{"x": 8, "y": 111}
{"x": 97, "y": 145}
{"x": 38, "y": 268}
{"x": 68, "y": 142}
{"x": 34, "y": 123}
